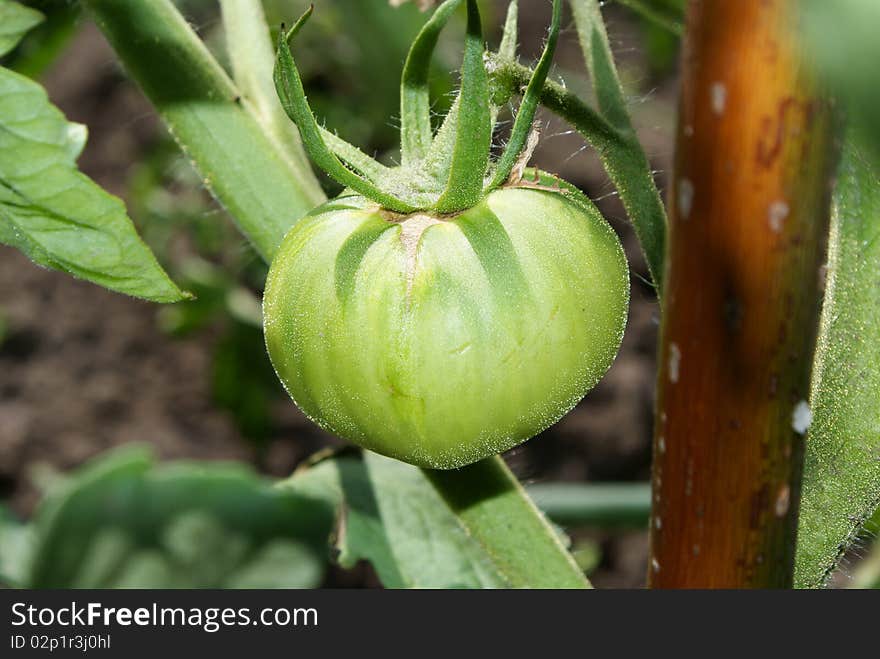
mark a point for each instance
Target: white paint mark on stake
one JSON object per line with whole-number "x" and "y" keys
{"x": 776, "y": 214}
{"x": 685, "y": 197}
{"x": 801, "y": 417}
{"x": 783, "y": 499}
{"x": 674, "y": 362}
{"x": 718, "y": 92}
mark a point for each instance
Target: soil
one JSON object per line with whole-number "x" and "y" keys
{"x": 83, "y": 369}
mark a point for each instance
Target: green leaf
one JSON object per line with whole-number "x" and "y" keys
{"x": 473, "y": 130}
{"x": 247, "y": 171}
{"x": 392, "y": 517}
{"x": 45, "y": 43}
{"x": 123, "y": 521}
{"x": 496, "y": 511}
{"x": 56, "y": 215}
{"x": 623, "y": 157}
{"x": 15, "y": 21}
{"x": 841, "y": 482}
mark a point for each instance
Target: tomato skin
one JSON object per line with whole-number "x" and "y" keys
{"x": 442, "y": 341}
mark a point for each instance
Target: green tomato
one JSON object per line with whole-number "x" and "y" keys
{"x": 440, "y": 341}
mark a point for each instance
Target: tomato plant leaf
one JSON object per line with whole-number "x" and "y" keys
{"x": 56, "y": 215}
{"x": 622, "y": 156}
{"x": 841, "y": 482}
{"x": 123, "y": 521}
{"x": 15, "y": 21}
{"x": 391, "y": 516}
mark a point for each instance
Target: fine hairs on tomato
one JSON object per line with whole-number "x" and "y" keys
{"x": 451, "y": 308}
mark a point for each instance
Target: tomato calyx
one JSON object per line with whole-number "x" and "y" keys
{"x": 443, "y": 172}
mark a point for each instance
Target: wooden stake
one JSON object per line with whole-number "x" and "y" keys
{"x": 749, "y": 216}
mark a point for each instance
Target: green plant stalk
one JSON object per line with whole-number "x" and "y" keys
{"x": 601, "y": 505}
{"x": 156, "y": 46}
{"x": 245, "y": 169}
{"x": 841, "y": 483}
{"x": 252, "y": 56}
{"x": 626, "y": 163}
{"x": 491, "y": 504}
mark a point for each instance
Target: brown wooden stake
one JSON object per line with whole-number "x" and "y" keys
{"x": 748, "y": 220}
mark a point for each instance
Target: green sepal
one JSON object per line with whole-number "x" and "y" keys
{"x": 368, "y": 167}
{"x": 529, "y": 105}
{"x": 473, "y": 133}
{"x": 293, "y": 98}
{"x": 415, "y": 102}
{"x": 507, "y": 48}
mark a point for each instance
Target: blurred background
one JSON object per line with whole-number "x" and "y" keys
{"x": 83, "y": 370}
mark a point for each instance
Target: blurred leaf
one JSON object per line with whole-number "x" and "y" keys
{"x": 867, "y": 571}
{"x": 15, "y": 21}
{"x": 16, "y": 546}
{"x": 841, "y": 37}
{"x": 211, "y": 285}
{"x": 392, "y": 516}
{"x": 841, "y": 482}
{"x": 54, "y": 214}
{"x": 44, "y": 43}
{"x": 123, "y": 521}
{"x": 667, "y": 14}
{"x": 588, "y": 555}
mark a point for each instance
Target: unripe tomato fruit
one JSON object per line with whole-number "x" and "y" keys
{"x": 443, "y": 340}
